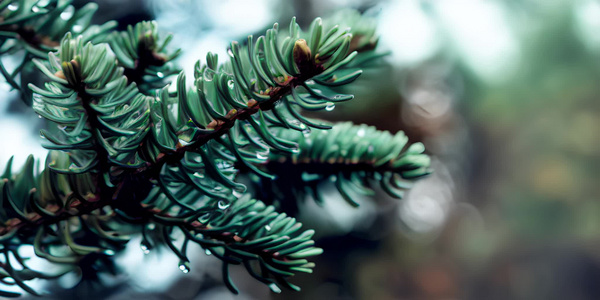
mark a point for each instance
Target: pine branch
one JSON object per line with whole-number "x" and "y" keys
{"x": 37, "y": 28}
{"x": 353, "y": 156}
{"x": 239, "y": 232}
{"x": 244, "y": 232}
{"x": 88, "y": 84}
{"x": 144, "y": 55}
{"x": 257, "y": 79}
{"x": 121, "y": 160}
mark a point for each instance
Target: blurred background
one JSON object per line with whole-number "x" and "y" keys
{"x": 505, "y": 97}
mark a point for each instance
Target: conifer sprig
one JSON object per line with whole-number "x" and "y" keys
{"x": 36, "y": 27}
{"x": 125, "y": 155}
{"x": 264, "y": 84}
{"x": 353, "y": 156}
{"x": 144, "y": 55}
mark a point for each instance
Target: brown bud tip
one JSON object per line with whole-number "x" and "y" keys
{"x": 60, "y": 74}
{"x": 251, "y": 103}
{"x": 212, "y": 124}
{"x": 231, "y": 113}
{"x": 302, "y": 53}
{"x": 75, "y": 64}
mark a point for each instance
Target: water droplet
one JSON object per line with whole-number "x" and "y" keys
{"x": 184, "y": 142}
{"x": 274, "y": 288}
{"x": 160, "y": 74}
{"x": 223, "y": 205}
{"x": 109, "y": 252}
{"x": 204, "y": 218}
{"x": 268, "y": 227}
{"x": 207, "y": 251}
{"x": 77, "y": 28}
{"x": 184, "y": 267}
{"x": 67, "y": 13}
{"x": 230, "y": 84}
{"x": 310, "y": 82}
{"x": 361, "y": 132}
{"x": 13, "y": 7}
{"x": 262, "y": 155}
{"x": 145, "y": 248}
{"x": 199, "y": 175}
{"x": 208, "y": 75}
{"x": 224, "y": 165}
{"x": 39, "y": 116}
{"x": 35, "y": 9}
{"x": 306, "y": 132}
{"x": 330, "y": 106}
{"x": 150, "y": 226}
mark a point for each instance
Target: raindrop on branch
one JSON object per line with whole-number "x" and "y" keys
{"x": 205, "y": 217}
{"x": 223, "y": 204}
{"x": 330, "y": 106}
{"x": 184, "y": 267}
{"x": 263, "y": 155}
{"x": 144, "y": 248}
{"x": 306, "y": 132}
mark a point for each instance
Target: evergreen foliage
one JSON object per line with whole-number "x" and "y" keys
{"x": 131, "y": 155}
